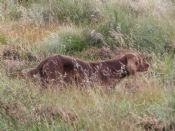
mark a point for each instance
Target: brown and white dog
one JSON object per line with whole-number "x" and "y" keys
{"x": 75, "y": 70}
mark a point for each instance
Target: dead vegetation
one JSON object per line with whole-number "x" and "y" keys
{"x": 16, "y": 110}
{"x": 151, "y": 123}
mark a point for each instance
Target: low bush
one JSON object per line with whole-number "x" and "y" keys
{"x": 68, "y": 41}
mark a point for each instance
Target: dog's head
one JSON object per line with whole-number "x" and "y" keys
{"x": 136, "y": 62}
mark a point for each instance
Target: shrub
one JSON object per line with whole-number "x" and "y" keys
{"x": 70, "y": 40}
{"x": 73, "y": 42}
{"x": 49, "y": 45}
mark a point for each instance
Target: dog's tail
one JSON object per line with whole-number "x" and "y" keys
{"x": 32, "y": 72}
{"x": 28, "y": 72}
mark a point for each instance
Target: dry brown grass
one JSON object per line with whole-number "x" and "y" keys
{"x": 26, "y": 33}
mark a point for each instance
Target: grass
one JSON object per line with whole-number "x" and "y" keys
{"x": 97, "y": 109}
{"x": 69, "y": 41}
{"x": 67, "y": 27}
{"x": 3, "y": 39}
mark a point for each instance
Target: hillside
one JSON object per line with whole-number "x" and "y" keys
{"x": 31, "y": 30}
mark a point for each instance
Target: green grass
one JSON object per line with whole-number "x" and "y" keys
{"x": 97, "y": 109}
{"x": 66, "y": 11}
{"x": 69, "y": 40}
{"x": 3, "y": 39}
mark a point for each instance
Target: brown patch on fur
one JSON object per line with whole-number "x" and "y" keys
{"x": 74, "y": 70}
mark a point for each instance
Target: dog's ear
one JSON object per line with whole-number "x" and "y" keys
{"x": 131, "y": 63}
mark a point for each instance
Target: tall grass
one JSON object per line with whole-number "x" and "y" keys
{"x": 97, "y": 109}
{"x": 145, "y": 25}
{"x": 142, "y": 31}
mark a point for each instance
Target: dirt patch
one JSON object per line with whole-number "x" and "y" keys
{"x": 17, "y": 111}
{"x": 11, "y": 53}
{"x": 13, "y": 66}
{"x": 55, "y": 112}
{"x": 151, "y": 123}
{"x": 15, "y": 52}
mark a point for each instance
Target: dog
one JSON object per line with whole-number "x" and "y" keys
{"x": 72, "y": 70}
